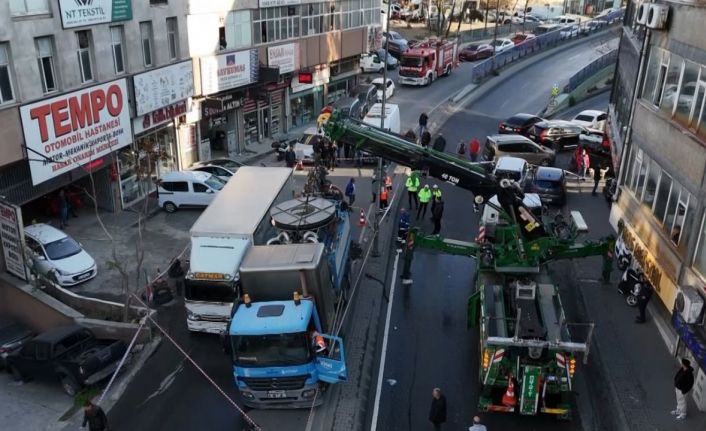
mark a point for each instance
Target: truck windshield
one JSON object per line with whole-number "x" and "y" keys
{"x": 209, "y": 291}
{"x": 270, "y": 350}
{"x": 412, "y": 61}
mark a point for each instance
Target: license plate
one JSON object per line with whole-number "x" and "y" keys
{"x": 276, "y": 394}
{"x": 83, "y": 276}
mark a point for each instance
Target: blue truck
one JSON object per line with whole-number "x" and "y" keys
{"x": 279, "y": 338}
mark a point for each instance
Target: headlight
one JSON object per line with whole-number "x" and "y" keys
{"x": 60, "y": 272}
{"x": 247, "y": 395}
{"x": 192, "y": 316}
{"x": 309, "y": 393}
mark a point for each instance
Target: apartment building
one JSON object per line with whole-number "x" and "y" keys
{"x": 658, "y": 130}
{"x": 267, "y": 67}
{"x": 83, "y": 85}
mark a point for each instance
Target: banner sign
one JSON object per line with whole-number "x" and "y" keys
{"x": 67, "y": 131}
{"x": 159, "y": 117}
{"x": 285, "y": 56}
{"x": 226, "y": 71}
{"x": 78, "y": 13}
{"x": 12, "y": 237}
{"x": 273, "y": 3}
{"x": 164, "y": 86}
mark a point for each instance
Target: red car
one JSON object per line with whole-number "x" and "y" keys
{"x": 526, "y": 38}
{"x": 475, "y": 51}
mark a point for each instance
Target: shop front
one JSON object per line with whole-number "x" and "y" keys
{"x": 344, "y": 77}
{"x": 307, "y": 99}
{"x": 219, "y": 125}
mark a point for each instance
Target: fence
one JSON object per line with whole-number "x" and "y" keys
{"x": 487, "y": 33}
{"x": 551, "y": 39}
{"x": 590, "y": 70}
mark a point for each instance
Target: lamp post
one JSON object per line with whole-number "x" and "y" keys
{"x": 495, "y": 32}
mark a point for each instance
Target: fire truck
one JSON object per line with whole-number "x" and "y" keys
{"x": 425, "y": 61}
{"x": 529, "y": 352}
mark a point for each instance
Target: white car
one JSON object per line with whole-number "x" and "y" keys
{"x": 222, "y": 168}
{"x": 389, "y": 88}
{"x": 591, "y": 118}
{"x": 572, "y": 30}
{"x": 58, "y": 256}
{"x": 502, "y": 45}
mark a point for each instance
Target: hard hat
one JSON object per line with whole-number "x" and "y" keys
{"x": 435, "y": 186}
{"x": 426, "y": 186}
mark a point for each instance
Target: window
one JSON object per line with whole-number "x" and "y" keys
{"x": 200, "y": 188}
{"x": 6, "y": 92}
{"x": 116, "y": 41}
{"x": 45, "y": 58}
{"x": 84, "y": 55}
{"x": 172, "y": 38}
{"x": 146, "y": 37}
{"x": 684, "y": 95}
{"x": 275, "y": 23}
{"x": 665, "y": 101}
{"x": 700, "y": 255}
{"x": 158, "y": 2}
{"x": 676, "y": 222}
{"x": 29, "y": 7}
{"x": 175, "y": 186}
{"x": 663, "y": 190}
{"x": 648, "y": 196}
{"x": 237, "y": 29}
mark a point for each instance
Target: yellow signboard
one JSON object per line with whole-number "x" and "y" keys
{"x": 209, "y": 276}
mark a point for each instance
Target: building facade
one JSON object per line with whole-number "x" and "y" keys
{"x": 657, "y": 125}
{"x": 69, "y": 101}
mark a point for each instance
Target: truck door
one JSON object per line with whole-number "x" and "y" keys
{"x": 331, "y": 363}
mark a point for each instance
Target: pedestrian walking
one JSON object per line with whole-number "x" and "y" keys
{"x": 477, "y": 426}
{"x": 585, "y": 164}
{"x": 332, "y": 153}
{"x": 643, "y": 293}
{"x": 437, "y": 412}
{"x": 474, "y": 149}
{"x": 683, "y": 382}
{"x": 411, "y": 136}
{"x": 596, "y": 179}
{"x": 290, "y": 157}
{"x": 461, "y": 149}
{"x": 436, "y": 214}
{"x": 426, "y": 139}
{"x": 435, "y": 193}
{"x": 440, "y": 143}
{"x": 423, "y": 119}
{"x": 424, "y": 198}
{"x": 63, "y": 208}
{"x": 350, "y": 192}
{"x": 412, "y": 186}
{"x": 383, "y": 198}
{"x": 95, "y": 417}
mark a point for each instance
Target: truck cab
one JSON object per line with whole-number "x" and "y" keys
{"x": 427, "y": 60}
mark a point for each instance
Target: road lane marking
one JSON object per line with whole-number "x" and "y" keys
{"x": 381, "y": 370}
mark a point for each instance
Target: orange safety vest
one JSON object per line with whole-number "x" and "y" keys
{"x": 383, "y": 194}
{"x": 319, "y": 342}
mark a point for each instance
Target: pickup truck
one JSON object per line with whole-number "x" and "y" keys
{"x": 70, "y": 354}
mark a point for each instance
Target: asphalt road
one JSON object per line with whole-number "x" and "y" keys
{"x": 429, "y": 345}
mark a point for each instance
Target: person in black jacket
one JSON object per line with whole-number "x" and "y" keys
{"x": 423, "y": 119}
{"x": 440, "y": 143}
{"x": 437, "y": 212}
{"x": 437, "y": 412}
{"x": 426, "y": 139}
{"x": 683, "y": 382}
{"x": 95, "y": 417}
{"x": 643, "y": 293}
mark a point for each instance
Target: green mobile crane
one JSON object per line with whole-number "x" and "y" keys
{"x": 525, "y": 340}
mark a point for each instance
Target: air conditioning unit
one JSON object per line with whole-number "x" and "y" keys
{"x": 689, "y": 304}
{"x": 657, "y": 16}
{"x": 641, "y": 15}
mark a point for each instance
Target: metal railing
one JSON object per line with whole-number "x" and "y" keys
{"x": 590, "y": 70}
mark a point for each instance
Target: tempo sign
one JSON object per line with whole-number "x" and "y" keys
{"x": 12, "y": 236}
{"x": 73, "y": 129}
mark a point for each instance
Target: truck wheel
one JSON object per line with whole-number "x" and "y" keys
{"x": 169, "y": 207}
{"x": 70, "y": 385}
{"x": 16, "y": 374}
{"x": 430, "y": 79}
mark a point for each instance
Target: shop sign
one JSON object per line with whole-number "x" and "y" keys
{"x": 226, "y": 71}
{"x": 273, "y": 3}
{"x": 320, "y": 76}
{"x": 214, "y": 106}
{"x": 164, "y": 86}
{"x": 285, "y": 56}
{"x": 77, "y": 13}
{"x": 67, "y": 131}
{"x": 12, "y": 236}
{"x": 159, "y": 117}
{"x": 643, "y": 257}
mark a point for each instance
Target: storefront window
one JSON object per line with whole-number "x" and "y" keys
{"x": 303, "y": 110}
{"x": 251, "y": 131}
{"x": 336, "y": 91}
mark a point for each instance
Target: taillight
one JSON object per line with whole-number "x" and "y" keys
{"x": 486, "y": 359}
{"x": 572, "y": 366}
{"x": 543, "y": 135}
{"x": 605, "y": 143}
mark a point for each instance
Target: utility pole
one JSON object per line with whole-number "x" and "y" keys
{"x": 380, "y": 175}
{"x": 495, "y": 32}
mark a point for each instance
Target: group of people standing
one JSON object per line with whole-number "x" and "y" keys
{"x": 421, "y": 197}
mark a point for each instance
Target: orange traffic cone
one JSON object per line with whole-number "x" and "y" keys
{"x": 509, "y": 399}
{"x": 361, "y": 220}
{"x": 300, "y": 165}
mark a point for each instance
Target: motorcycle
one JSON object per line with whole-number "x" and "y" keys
{"x": 609, "y": 189}
{"x": 623, "y": 256}
{"x": 628, "y": 282}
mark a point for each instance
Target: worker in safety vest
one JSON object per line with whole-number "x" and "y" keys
{"x": 412, "y": 186}
{"x": 424, "y": 198}
{"x": 318, "y": 342}
{"x": 435, "y": 194}
{"x": 383, "y": 198}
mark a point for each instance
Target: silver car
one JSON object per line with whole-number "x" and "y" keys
{"x": 497, "y": 146}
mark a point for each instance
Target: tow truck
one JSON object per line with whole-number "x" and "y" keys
{"x": 525, "y": 339}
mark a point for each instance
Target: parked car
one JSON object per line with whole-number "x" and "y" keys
{"x": 519, "y": 123}
{"x": 187, "y": 189}
{"x": 349, "y": 107}
{"x": 222, "y": 168}
{"x": 397, "y": 47}
{"x": 58, "y": 256}
{"x": 591, "y": 118}
{"x": 374, "y": 61}
{"x": 533, "y": 19}
{"x": 394, "y": 38}
{"x": 597, "y": 145}
{"x": 569, "y": 31}
{"x": 512, "y": 168}
{"x": 526, "y": 38}
{"x": 556, "y": 134}
{"x": 550, "y": 184}
{"x": 388, "y": 87}
{"x": 397, "y": 12}
{"x": 475, "y": 51}
{"x": 304, "y": 148}
{"x": 565, "y": 20}
{"x": 591, "y": 26}
{"x": 502, "y": 45}
{"x": 497, "y": 146}
{"x": 71, "y": 355}
{"x": 13, "y": 335}
{"x": 367, "y": 94}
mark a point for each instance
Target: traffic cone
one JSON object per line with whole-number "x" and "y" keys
{"x": 361, "y": 220}
{"x": 509, "y": 399}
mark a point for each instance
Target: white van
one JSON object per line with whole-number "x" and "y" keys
{"x": 187, "y": 189}
{"x": 512, "y": 168}
{"x": 392, "y": 117}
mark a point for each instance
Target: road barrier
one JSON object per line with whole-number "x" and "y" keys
{"x": 590, "y": 70}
